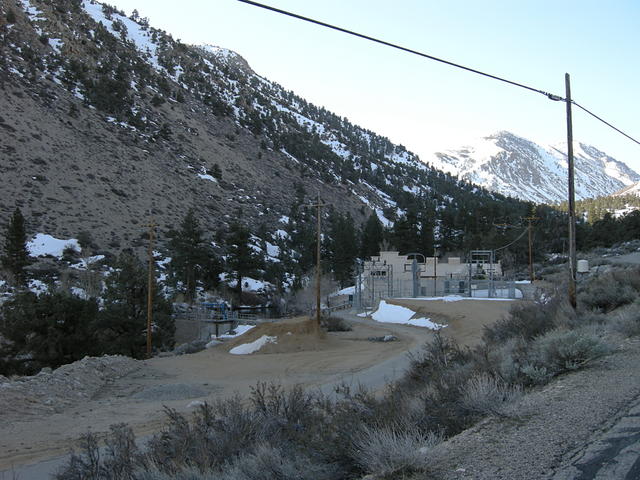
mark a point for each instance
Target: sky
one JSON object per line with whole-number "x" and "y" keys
{"x": 425, "y": 105}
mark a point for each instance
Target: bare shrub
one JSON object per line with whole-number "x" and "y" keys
{"x": 435, "y": 356}
{"x": 267, "y": 463}
{"x": 335, "y": 324}
{"x": 387, "y": 451}
{"x": 352, "y": 409}
{"x": 628, "y": 322}
{"x": 304, "y": 300}
{"x": 188, "y": 473}
{"x": 628, "y": 276}
{"x": 507, "y": 360}
{"x": 120, "y": 461}
{"x": 486, "y": 395}
{"x": 536, "y": 375}
{"x": 526, "y": 320}
{"x": 559, "y": 351}
{"x": 610, "y": 290}
{"x": 291, "y": 410}
{"x": 216, "y": 433}
{"x": 438, "y": 375}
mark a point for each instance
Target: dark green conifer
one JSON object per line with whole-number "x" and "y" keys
{"x": 241, "y": 257}
{"x": 372, "y": 237}
{"x": 192, "y": 260}
{"x": 15, "y": 256}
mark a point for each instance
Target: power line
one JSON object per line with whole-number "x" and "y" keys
{"x": 399, "y": 47}
{"x": 431, "y": 57}
{"x": 509, "y": 244}
{"x": 605, "y": 122}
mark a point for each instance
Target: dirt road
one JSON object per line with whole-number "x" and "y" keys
{"x": 138, "y": 398}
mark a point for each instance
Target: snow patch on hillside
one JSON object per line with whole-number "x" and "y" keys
{"x": 43, "y": 244}
{"x": 136, "y": 33}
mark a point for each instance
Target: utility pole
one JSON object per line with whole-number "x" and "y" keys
{"x": 152, "y": 225}
{"x": 572, "y": 198}
{"x": 435, "y": 272}
{"x": 529, "y": 219}
{"x": 319, "y": 206}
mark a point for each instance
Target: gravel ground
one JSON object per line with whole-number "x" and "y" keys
{"x": 555, "y": 427}
{"x": 51, "y": 392}
{"x": 172, "y": 391}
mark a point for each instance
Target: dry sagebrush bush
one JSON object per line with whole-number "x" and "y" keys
{"x": 387, "y": 451}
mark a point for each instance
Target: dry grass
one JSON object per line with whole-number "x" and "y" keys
{"x": 294, "y": 335}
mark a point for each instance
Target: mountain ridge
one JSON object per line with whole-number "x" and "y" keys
{"x": 515, "y": 166}
{"x": 107, "y": 121}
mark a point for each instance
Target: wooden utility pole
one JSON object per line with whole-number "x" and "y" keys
{"x": 319, "y": 206}
{"x": 152, "y": 225}
{"x": 529, "y": 219}
{"x": 572, "y": 198}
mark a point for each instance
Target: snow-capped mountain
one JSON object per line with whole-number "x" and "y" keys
{"x": 633, "y": 189}
{"x": 514, "y": 166}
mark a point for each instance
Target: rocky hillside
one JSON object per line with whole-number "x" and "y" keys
{"x": 106, "y": 122}
{"x": 515, "y": 166}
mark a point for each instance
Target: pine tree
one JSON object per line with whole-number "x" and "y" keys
{"x": 241, "y": 257}
{"x": 425, "y": 236}
{"x": 121, "y": 326}
{"x": 342, "y": 247}
{"x": 405, "y": 233}
{"x": 372, "y": 237}
{"x": 191, "y": 258}
{"x": 15, "y": 255}
{"x": 48, "y": 330}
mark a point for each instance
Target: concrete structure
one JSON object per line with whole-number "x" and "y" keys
{"x": 393, "y": 275}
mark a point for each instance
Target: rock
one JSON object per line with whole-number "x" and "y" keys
{"x": 386, "y": 338}
{"x": 191, "y": 347}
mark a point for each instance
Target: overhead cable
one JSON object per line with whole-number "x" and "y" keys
{"x": 605, "y": 122}
{"x": 509, "y": 244}
{"x": 393, "y": 45}
{"x": 551, "y": 96}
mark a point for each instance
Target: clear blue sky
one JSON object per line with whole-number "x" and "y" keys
{"x": 425, "y": 105}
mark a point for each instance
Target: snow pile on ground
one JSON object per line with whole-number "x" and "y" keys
{"x": 249, "y": 348}
{"x": 345, "y": 291}
{"x": 503, "y": 293}
{"x": 240, "y": 329}
{"x": 70, "y": 384}
{"x": 452, "y": 298}
{"x": 43, "y": 244}
{"x": 477, "y": 295}
{"x": 388, "y": 313}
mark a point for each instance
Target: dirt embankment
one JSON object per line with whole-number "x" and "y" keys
{"x": 135, "y": 392}
{"x": 49, "y": 416}
{"x": 465, "y": 319}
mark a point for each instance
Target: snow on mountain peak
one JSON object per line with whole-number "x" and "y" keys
{"x": 518, "y": 167}
{"x": 219, "y": 51}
